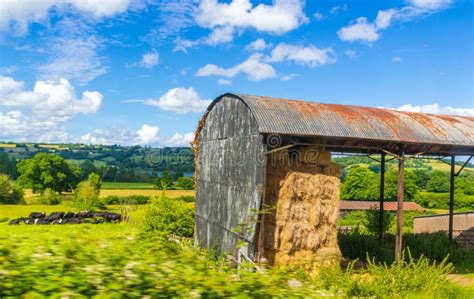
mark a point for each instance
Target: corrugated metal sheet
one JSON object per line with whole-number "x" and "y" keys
{"x": 300, "y": 118}
{"x": 230, "y": 178}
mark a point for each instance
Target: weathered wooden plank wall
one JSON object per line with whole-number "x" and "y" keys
{"x": 230, "y": 177}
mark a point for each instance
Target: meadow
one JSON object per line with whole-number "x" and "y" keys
{"x": 121, "y": 260}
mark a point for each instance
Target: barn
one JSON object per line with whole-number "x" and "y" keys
{"x": 238, "y": 134}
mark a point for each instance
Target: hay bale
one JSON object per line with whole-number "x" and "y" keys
{"x": 301, "y": 228}
{"x": 306, "y": 217}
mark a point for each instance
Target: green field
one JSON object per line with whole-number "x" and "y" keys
{"x": 116, "y": 261}
{"x": 128, "y": 185}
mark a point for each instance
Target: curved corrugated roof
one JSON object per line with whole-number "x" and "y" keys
{"x": 301, "y": 118}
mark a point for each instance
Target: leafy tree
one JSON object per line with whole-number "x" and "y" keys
{"x": 86, "y": 195}
{"x": 9, "y": 194}
{"x": 169, "y": 217}
{"x": 422, "y": 177}
{"x": 360, "y": 184}
{"x": 185, "y": 183}
{"x": 439, "y": 182}
{"x": 87, "y": 168}
{"x": 48, "y": 171}
{"x": 391, "y": 185}
{"x": 371, "y": 221}
{"x": 165, "y": 181}
{"x": 465, "y": 183}
{"x": 49, "y": 197}
{"x": 95, "y": 181}
{"x": 8, "y": 165}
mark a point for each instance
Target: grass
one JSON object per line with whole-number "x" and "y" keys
{"x": 30, "y": 196}
{"x": 145, "y": 192}
{"x": 128, "y": 185}
{"x": 113, "y": 261}
{"x": 7, "y": 145}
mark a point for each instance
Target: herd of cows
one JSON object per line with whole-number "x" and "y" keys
{"x": 68, "y": 218}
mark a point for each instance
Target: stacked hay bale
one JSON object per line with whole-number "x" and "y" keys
{"x": 302, "y": 195}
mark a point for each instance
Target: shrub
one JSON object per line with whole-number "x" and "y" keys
{"x": 186, "y": 198}
{"x": 169, "y": 217}
{"x": 49, "y": 197}
{"x": 9, "y": 193}
{"x": 185, "y": 183}
{"x": 86, "y": 197}
{"x": 132, "y": 199}
{"x": 409, "y": 278}
{"x": 371, "y": 221}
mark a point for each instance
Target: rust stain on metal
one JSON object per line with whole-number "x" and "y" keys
{"x": 303, "y": 118}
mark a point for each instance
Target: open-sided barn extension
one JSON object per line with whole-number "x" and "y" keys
{"x": 252, "y": 151}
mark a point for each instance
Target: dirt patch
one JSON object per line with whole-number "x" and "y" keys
{"x": 302, "y": 191}
{"x": 462, "y": 280}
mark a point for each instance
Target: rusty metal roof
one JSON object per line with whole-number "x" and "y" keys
{"x": 302, "y": 118}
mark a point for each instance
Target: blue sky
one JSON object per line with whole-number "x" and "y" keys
{"x": 142, "y": 72}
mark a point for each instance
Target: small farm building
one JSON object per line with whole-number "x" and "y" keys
{"x": 239, "y": 133}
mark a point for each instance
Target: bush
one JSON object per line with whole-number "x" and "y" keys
{"x": 409, "y": 278}
{"x": 185, "y": 183}
{"x": 371, "y": 221}
{"x": 9, "y": 193}
{"x": 49, "y": 197}
{"x": 186, "y": 198}
{"x": 132, "y": 199}
{"x": 169, "y": 217}
{"x": 436, "y": 247}
{"x": 86, "y": 197}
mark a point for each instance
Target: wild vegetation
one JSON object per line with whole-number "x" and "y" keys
{"x": 151, "y": 253}
{"x": 149, "y": 258}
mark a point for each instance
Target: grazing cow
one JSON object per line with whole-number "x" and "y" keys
{"x": 17, "y": 221}
{"x": 85, "y": 214}
{"x": 41, "y": 221}
{"x": 69, "y": 215}
{"x": 72, "y": 221}
{"x": 37, "y": 215}
{"x": 29, "y": 221}
{"x": 113, "y": 217}
{"x": 98, "y": 220}
{"x": 55, "y": 216}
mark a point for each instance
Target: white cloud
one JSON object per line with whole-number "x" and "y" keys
{"x": 287, "y": 77}
{"x": 252, "y": 67}
{"x": 172, "y": 17}
{"x": 15, "y": 16}
{"x": 109, "y": 137}
{"x": 278, "y": 18}
{"x": 365, "y": 31}
{"x": 225, "y": 19}
{"x": 257, "y": 45}
{"x": 309, "y": 56}
{"x": 351, "y": 53}
{"x": 180, "y": 140}
{"x": 43, "y": 110}
{"x": 180, "y": 100}
{"x": 318, "y": 16}
{"x": 149, "y": 59}
{"x": 220, "y": 35}
{"x": 223, "y": 82}
{"x": 396, "y": 59}
{"x": 437, "y": 109}
{"x": 360, "y": 30}
{"x": 73, "y": 58}
{"x": 430, "y": 4}
{"x": 148, "y": 135}
{"x": 336, "y": 9}
{"x": 8, "y": 69}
